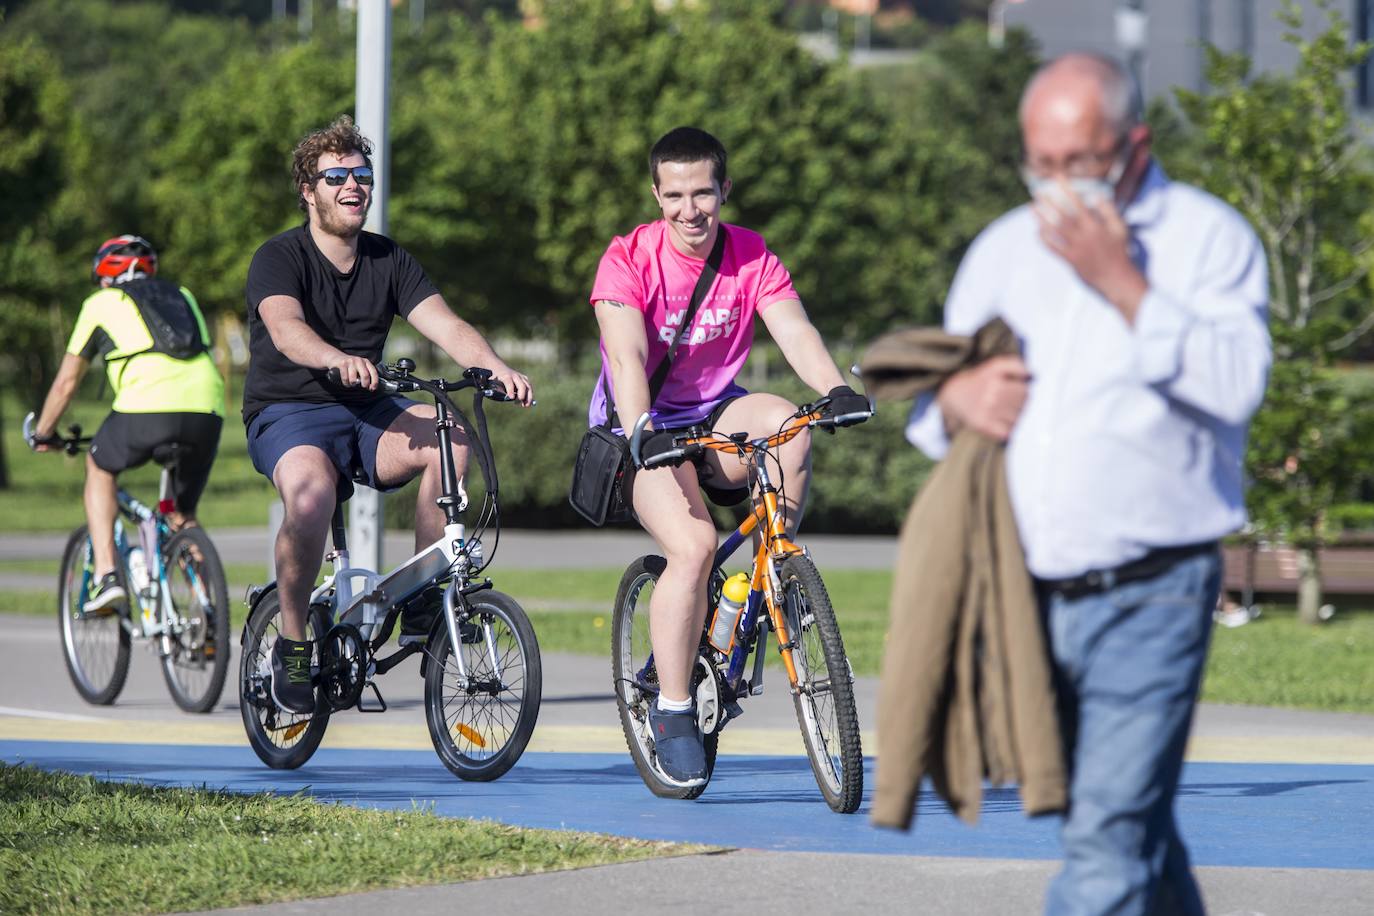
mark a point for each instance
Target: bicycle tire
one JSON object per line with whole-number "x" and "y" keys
{"x": 198, "y": 660}
{"x": 106, "y": 635}
{"x": 281, "y": 739}
{"x": 630, "y": 649}
{"x": 480, "y": 735}
{"x": 824, "y": 705}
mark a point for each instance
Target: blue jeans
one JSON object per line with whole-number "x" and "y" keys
{"x": 1128, "y": 665}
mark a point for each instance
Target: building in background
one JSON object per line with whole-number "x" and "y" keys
{"x": 1164, "y": 39}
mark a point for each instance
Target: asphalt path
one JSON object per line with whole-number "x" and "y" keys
{"x": 1276, "y": 805}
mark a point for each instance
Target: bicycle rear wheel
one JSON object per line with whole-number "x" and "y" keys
{"x": 197, "y": 656}
{"x": 95, "y": 645}
{"x": 636, "y": 681}
{"x": 480, "y": 723}
{"x": 282, "y": 739}
{"x": 824, "y": 698}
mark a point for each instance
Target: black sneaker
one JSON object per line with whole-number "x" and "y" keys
{"x": 291, "y": 687}
{"x": 419, "y": 614}
{"x": 106, "y": 593}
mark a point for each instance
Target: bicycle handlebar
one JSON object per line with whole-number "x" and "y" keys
{"x": 397, "y": 379}
{"x": 70, "y": 444}
{"x": 686, "y": 448}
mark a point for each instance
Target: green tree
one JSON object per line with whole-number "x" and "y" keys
{"x": 528, "y": 154}
{"x": 34, "y": 134}
{"x": 129, "y": 66}
{"x": 1283, "y": 150}
{"x": 223, "y": 178}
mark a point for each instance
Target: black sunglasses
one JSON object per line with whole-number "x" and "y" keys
{"x": 338, "y": 175}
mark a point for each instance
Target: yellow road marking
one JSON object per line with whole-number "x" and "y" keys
{"x": 608, "y": 739}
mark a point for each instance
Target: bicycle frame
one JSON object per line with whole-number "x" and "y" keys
{"x": 367, "y": 607}
{"x": 774, "y": 546}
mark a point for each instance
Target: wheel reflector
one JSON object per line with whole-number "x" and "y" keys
{"x": 470, "y": 734}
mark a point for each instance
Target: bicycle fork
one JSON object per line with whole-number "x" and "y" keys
{"x": 455, "y": 641}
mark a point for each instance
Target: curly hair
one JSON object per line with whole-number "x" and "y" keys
{"x": 340, "y": 138}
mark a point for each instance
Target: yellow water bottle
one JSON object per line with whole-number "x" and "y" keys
{"x": 733, "y": 595}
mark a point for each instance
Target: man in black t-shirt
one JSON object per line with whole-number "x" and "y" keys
{"x": 322, "y": 296}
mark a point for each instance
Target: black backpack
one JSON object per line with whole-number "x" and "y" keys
{"x": 171, "y": 319}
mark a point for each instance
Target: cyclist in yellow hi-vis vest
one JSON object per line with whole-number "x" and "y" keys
{"x": 166, "y": 390}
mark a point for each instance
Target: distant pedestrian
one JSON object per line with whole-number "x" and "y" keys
{"x": 1140, "y": 304}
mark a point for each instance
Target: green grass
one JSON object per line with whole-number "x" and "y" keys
{"x": 1273, "y": 661}
{"x": 73, "y": 844}
{"x": 1277, "y": 661}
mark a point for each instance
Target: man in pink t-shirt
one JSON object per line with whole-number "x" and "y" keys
{"x": 643, "y": 288}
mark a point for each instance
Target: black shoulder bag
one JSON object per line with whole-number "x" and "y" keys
{"x": 603, "y": 471}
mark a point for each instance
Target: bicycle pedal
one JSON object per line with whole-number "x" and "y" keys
{"x": 378, "y": 694}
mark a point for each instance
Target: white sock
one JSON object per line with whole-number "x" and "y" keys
{"x": 668, "y": 705}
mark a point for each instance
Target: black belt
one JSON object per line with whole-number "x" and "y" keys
{"x": 1157, "y": 561}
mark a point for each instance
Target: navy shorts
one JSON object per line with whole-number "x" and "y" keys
{"x": 347, "y": 433}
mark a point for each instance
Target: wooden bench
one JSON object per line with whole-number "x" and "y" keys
{"x": 1347, "y": 570}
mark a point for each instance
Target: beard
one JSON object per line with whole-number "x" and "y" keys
{"x": 339, "y": 223}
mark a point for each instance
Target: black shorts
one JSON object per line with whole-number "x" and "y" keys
{"x": 705, "y": 473}
{"x": 128, "y": 440}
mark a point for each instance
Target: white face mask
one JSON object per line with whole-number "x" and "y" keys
{"x": 1090, "y": 191}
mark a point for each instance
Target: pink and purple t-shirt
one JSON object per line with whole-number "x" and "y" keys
{"x": 645, "y": 272}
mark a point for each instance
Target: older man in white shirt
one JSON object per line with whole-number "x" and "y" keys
{"x": 1141, "y": 307}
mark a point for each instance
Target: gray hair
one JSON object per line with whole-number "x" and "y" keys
{"x": 1122, "y": 104}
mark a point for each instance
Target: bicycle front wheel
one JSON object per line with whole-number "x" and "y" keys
{"x": 636, "y": 680}
{"x": 481, "y": 712}
{"x": 282, "y": 739}
{"x": 196, "y": 656}
{"x": 96, "y": 644}
{"x": 824, "y": 696}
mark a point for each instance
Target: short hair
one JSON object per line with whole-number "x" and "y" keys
{"x": 1123, "y": 106}
{"x": 340, "y": 138}
{"x": 688, "y": 144}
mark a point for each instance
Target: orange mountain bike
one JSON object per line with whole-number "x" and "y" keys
{"x": 786, "y": 595}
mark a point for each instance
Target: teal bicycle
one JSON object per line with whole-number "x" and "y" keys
{"x": 177, "y": 600}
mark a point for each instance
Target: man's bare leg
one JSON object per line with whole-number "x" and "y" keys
{"x": 102, "y": 504}
{"x": 409, "y": 447}
{"x": 762, "y": 415}
{"x": 306, "y": 480}
{"x": 669, "y": 505}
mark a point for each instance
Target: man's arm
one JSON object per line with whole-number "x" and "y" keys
{"x": 801, "y": 345}
{"x": 1211, "y": 352}
{"x": 298, "y": 342}
{"x": 627, "y": 349}
{"x": 59, "y": 395}
{"x": 460, "y": 340}
{"x": 987, "y": 397}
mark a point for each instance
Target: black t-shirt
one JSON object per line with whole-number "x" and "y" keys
{"x": 352, "y": 311}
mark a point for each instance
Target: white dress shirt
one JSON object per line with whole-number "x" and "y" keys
{"x": 1131, "y": 437}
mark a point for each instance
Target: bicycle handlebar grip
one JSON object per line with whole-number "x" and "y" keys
{"x": 852, "y": 419}
{"x": 666, "y": 458}
{"x": 635, "y": 438}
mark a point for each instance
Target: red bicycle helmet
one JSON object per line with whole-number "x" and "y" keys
{"x": 123, "y": 255}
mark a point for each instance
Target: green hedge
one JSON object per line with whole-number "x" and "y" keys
{"x": 863, "y": 478}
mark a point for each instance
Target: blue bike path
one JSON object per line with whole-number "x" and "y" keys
{"x": 1235, "y": 814}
